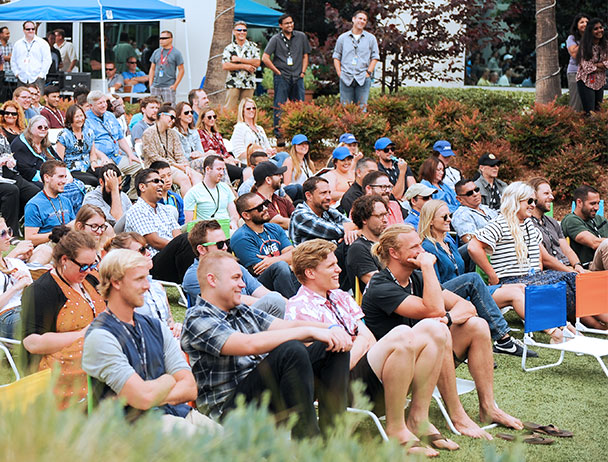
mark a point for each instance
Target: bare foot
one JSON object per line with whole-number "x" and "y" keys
{"x": 469, "y": 428}
{"x": 497, "y": 415}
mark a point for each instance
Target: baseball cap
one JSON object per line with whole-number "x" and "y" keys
{"x": 348, "y": 138}
{"x": 341, "y": 152}
{"x": 299, "y": 139}
{"x": 489, "y": 159}
{"x": 418, "y": 189}
{"x": 266, "y": 169}
{"x": 383, "y": 143}
{"x": 444, "y": 148}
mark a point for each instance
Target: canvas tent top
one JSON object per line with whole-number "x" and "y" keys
{"x": 255, "y": 14}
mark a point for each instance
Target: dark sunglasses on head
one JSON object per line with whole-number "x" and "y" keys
{"x": 471, "y": 192}
{"x": 187, "y": 112}
{"x": 220, "y": 244}
{"x": 212, "y": 117}
{"x": 259, "y": 208}
{"x": 6, "y": 232}
{"x": 85, "y": 268}
{"x": 389, "y": 149}
{"x": 156, "y": 181}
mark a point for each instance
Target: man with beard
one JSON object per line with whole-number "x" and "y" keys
{"x": 108, "y": 196}
{"x": 268, "y": 179}
{"x": 315, "y": 219}
{"x": 263, "y": 247}
{"x": 378, "y": 182}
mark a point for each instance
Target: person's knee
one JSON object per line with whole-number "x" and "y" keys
{"x": 280, "y": 267}
{"x": 433, "y": 330}
{"x": 273, "y": 303}
{"x": 477, "y": 327}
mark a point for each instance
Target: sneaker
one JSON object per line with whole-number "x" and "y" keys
{"x": 513, "y": 346}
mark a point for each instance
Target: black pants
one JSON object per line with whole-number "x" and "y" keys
{"x": 9, "y": 206}
{"x": 280, "y": 278}
{"x": 171, "y": 263}
{"x": 234, "y": 172}
{"x": 88, "y": 177}
{"x": 591, "y": 99}
{"x": 294, "y": 374}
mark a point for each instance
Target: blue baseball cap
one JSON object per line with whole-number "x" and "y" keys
{"x": 299, "y": 139}
{"x": 348, "y": 138}
{"x": 341, "y": 153}
{"x": 382, "y": 143}
{"x": 444, "y": 148}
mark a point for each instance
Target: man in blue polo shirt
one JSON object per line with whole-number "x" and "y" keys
{"x": 263, "y": 247}
{"x": 134, "y": 77}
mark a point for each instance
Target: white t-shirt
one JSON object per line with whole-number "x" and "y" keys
{"x": 6, "y": 282}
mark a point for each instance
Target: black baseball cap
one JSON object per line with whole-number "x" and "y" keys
{"x": 489, "y": 159}
{"x": 266, "y": 169}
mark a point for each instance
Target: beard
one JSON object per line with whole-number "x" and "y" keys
{"x": 107, "y": 197}
{"x": 258, "y": 220}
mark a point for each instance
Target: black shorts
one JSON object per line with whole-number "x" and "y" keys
{"x": 372, "y": 386}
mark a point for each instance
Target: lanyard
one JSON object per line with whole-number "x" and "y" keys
{"x": 141, "y": 350}
{"x": 163, "y": 60}
{"x": 286, "y": 42}
{"x": 217, "y": 204}
{"x": 336, "y": 312}
{"x": 355, "y": 42}
{"x": 104, "y": 127}
{"x": 57, "y": 115}
{"x": 28, "y": 49}
{"x": 161, "y": 141}
{"x": 409, "y": 281}
{"x": 53, "y": 205}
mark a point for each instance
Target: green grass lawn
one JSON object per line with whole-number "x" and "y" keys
{"x": 572, "y": 396}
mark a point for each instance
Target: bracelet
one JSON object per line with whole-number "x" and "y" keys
{"x": 447, "y": 315}
{"x": 577, "y": 263}
{"x": 333, "y": 325}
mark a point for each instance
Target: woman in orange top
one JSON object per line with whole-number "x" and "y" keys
{"x": 56, "y": 311}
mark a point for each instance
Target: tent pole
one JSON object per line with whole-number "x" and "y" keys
{"x": 188, "y": 57}
{"x": 103, "y": 48}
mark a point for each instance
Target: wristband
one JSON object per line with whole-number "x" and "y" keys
{"x": 447, "y": 315}
{"x": 333, "y": 325}
{"x": 577, "y": 263}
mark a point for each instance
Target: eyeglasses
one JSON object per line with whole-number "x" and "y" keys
{"x": 220, "y": 244}
{"x": 155, "y": 181}
{"x": 241, "y": 30}
{"x": 6, "y": 232}
{"x": 144, "y": 249}
{"x": 446, "y": 217}
{"x": 212, "y": 117}
{"x": 28, "y": 28}
{"x": 471, "y": 192}
{"x": 167, "y": 114}
{"x": 250, "y": 108}
{"x": 259, "y": 208}
{"x": 382, "y": 216}
{"x": 389, "y": 149}
{"x": 187, "y": 112}
{"x": 384, "y": 187}
{"x": 96, "y": 228}
{"x": 85, "y": 268}
{"x": 42, "y": 127}
{"x": 164, "y": 38}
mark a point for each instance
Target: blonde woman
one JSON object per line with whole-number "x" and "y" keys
{"x": 247, "y": 131}
{"x": 299, "y": 166}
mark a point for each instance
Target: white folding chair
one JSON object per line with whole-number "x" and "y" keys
{"x": 591, "y": 298}
{"x": 9, "y": 357}
{"x": 183, "y": 301}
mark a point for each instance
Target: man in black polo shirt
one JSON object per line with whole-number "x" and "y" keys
{"x": 408, "y": 290}
{"x": 363, "y": 167}
{"x": 398, "y": 171}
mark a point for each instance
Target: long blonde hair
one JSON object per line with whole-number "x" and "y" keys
{"x": 297, "y": 163}
{"x": 241, "y": 110}
{"x": 510, "y": 204}
{"x": 427, "y": 215}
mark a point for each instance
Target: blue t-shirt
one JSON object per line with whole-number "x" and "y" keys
{"x": 46, "y": 213}
{"x": 176, "y": 201}
{"x": 77, "y": 155}
{"x": 138, "y": 87}
{"x": 445, "y": 194}
{"x": 192, "y": 287}
{"x": 413, "y": 218}
{"x": 247, "y": 244}
{"x": 447, "y": 266}
{"x": 107, "y": 132}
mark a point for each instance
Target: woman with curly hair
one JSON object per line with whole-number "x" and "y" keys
{"x": 593, "y": 63}
{"x": 12, "y": 120}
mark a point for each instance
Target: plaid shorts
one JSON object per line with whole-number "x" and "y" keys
{"x": 167, "y": 95}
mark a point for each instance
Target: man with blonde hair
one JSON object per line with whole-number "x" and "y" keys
{"x": 136, "y": 357}
{"x": 406, "y": 291}
{"x": 239, "y": 350}
{"x": 404, "y": 357}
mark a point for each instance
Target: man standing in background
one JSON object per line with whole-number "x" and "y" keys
{"x": 31, "y": 57}
{"x": 166, "y": 69}
{"x": 69, "y": 59}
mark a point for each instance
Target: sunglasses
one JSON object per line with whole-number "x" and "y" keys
{"x": 164, "y": 38}
{"x": 187, "y": 112}
{"x": 241, "y": 30}
{"x": 531, "y": 201}
{"x": 446, "y": 217}
{"x": 108, "y": 69}
{"x": 220, "y": 244}
{"x": 6, "y": 232}
{"x": 155, "y": 181}
{"x": 167, "y": 114}
{"x": 250, "y": 108}
{"x": 131, "y": 62}
{"x": 42, "y": 127}
{"x": 28, "y": 28}
{"x": 96, "y": 228}
{"x": 85, "y": 268}
{"x": 471, "y": 192}
{"x": 212, "y": 117}
{"x": 389, "y": 149}
{"x": 9, "y": 113}
{"x": 259, "y": 208}
{"x": 144, "y": 249}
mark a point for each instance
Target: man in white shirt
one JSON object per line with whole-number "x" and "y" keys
{"x": 69, "y": 59}
{"x": 31, "y": 57}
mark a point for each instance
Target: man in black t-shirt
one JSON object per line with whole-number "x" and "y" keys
{"x": 408, "y": 290}
{"x": 364, "y": 166}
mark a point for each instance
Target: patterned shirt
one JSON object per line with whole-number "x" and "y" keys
{"x": 306, "y": 224}
{"x": 466, "y": 220}
{"x": 206, "y": 330}
{"x": 144, "y": 219}
{"x": 107, "y": 131}
{"x": 213, "y": 141}
{"x": 6, "y": 50}
{"x": 337, "y": 308}
{"x": 240, "y": 78}
{"x": 77, "y": 152}
{"x": 588, "y": 72}
{"x": 162, "y": 146}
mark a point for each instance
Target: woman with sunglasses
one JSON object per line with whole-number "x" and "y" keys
{"x": 76, "y": 147}
{"x": 515, "y": 246}
{"x": 162, "y": 143}
{"x": 188, "y": 135}
{"x": 57, "y": 309}
{"x": 156, "y": 304}
{"x": 432, "y": 173}
{"x": 12, "y": 121}
{"x": 247, "y": 131}
{"x": 14, "y": 277}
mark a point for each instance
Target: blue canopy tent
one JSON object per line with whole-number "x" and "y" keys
{"x": 92, "y": 11}
{"x": 255, "y": 14}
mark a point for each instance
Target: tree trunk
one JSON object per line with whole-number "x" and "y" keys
{"x": 548, "y": 86}
{"x": 215, "y": 79}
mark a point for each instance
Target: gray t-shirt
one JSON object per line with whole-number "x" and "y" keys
{"x": 295, "y": 48}
{"x": 95, "y": 197}
{"x": 166, "y": 66}
{"x": 103, "y": 358}
{"x": 138, "y": 130}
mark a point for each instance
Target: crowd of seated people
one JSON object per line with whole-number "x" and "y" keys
{"x": 270, "y": 268}
{"x": 502, "y": 70}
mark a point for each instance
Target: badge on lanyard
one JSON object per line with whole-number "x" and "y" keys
{"x": 161, "y": 73}
{"x": 289, "y": 61}
{"x": 355, "y": 59}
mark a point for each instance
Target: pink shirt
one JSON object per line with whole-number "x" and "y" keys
{"x": 394, "y": 213}
{"x": 307, "y": 305}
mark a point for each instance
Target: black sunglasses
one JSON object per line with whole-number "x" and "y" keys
{"x": 531, "y": 201}
{"x": 167, "y": 114}
{"x": 164, "y": 38}
{"x": 471, "y": 192}
{"x": 156, "y": 181}
{"x": 131, "y": 62}
{"x": 108, "y": 69}
{"x": 187, "y": 112}
{"x": 10, "y": 113}
{"x": 28, "y": 28}
{"x": 259, "y": 208}
{"x": 220, "y": 244}
{"x": 42, "y": 127}
{"x": 212, "y": 117}
{"x": 446, "y": 217}
{"x": 241, "y": 30}
{"x": 389, "y": 149}
{"x": 84, "y": 268}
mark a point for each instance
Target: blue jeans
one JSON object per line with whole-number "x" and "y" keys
{"x": 8, "y": 322}
{"x": 471, "y": 287}
{"x": 355, "y": 93}
{"x": 280, "y": 278}
{"x": 286, "y": 88}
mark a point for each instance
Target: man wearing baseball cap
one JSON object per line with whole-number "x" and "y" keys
{"x": 268, "y": 179}
{"x": 490, "y": 186}
{"x": 443, "y": 150}
{"x": 398, "y": 171}
{"x": 418, "y": 194}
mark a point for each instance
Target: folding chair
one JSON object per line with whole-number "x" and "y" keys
{"x": 591, "y": 298}
{"x": 183, "y": 301}
{"x": 545, "y": 309}
{"x": 7, "y": 353}
{"x": 22, "y": 393}
{"x": 357, "y": 292}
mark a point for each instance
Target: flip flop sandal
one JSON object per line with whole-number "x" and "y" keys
{"x": 412, "y": 444}
{"x": 550, "y": 430}
{"x": 433, "y": 438}
{"x": 532, "y": 439}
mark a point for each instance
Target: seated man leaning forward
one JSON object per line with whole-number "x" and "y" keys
{"x": 237, "y": 350}
{"x": 207, "y": 235}
{"x": 263, "y": 247}
{"x": 114, "y": 342}
{"x": 315, "y": 219}
{"x": 404, "y": 357}
{"x": 408, "y": 290}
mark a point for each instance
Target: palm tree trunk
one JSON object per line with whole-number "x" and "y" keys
{"x": 215, "y": 79}
{"x": 548, "y": 86}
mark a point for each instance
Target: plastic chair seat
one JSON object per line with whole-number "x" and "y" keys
{"x": 579, "y": 344}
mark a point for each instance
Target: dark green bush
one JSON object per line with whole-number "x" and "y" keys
{"x": 396, "y": 109}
